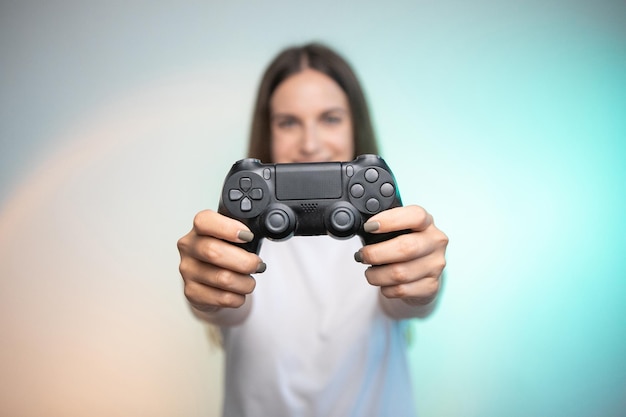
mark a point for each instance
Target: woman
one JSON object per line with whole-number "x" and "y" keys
{"x": 319, "y": 334}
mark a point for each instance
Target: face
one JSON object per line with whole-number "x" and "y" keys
{"x": 310, "y": 120}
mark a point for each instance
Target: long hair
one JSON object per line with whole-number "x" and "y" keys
{"x": 321, "y": 58}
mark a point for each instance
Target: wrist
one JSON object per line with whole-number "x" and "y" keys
{"x": 407, "y": 308}
{"x": 224, "y": 316}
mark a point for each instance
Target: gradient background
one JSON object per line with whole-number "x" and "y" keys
{"x": 119, "y": 120}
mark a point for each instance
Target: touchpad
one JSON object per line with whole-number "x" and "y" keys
{"x": 308, "y": 181}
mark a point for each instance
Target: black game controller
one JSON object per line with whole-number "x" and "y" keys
{"x": 277, "y": 201}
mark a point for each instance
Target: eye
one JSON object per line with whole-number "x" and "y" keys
{"x": 285, "y": 122}
{"x": 332, "y": 119}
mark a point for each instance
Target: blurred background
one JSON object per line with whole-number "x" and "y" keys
{"x": 119, "y": 120}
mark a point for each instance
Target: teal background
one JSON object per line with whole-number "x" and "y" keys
{"x": 506, "y": 120}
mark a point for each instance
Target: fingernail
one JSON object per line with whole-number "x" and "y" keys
{"x": 370, "y": 227}
{"x": 358, "y": 256}
{"x": 245, "y": 235}
{"x": 261, "y": 268}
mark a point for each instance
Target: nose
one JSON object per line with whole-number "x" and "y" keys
{"x": 310, "y": 139}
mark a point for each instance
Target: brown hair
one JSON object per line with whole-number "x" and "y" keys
{"x": 321, "y": 58}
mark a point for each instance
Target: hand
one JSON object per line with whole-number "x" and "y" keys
{"x": 409, "y": 266}
{"x": 216, "y": 273}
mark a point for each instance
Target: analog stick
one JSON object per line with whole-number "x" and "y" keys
{"x": 276, "y": 222}
{"x": 342, "y": 220}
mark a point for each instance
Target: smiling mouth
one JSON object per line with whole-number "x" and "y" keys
{"x": 308, "y": 161}
{"x": 315, "y": 160}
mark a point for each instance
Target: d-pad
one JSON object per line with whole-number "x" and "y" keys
{"x": 245, "y": 194}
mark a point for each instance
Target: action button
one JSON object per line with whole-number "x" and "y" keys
{"x": 246, "y": 204}
{"x": 387, "y": 189}
{"x": 256, "y": 194}
{"x": 372, "y": 205}
{"x": 357, "y": 191}
{"x": 277, "y": 221}
{"x": 234, "y": 194}
{"x": 245, "y": 183}
{"x": 371, "y": 175}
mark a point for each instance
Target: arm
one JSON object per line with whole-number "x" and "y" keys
{"x": 217, "y": 274}
{"x": 407, "y": 268}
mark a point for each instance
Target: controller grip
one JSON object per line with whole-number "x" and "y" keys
{"x": 253, "y": 246}
{"x": 371, "y": 238}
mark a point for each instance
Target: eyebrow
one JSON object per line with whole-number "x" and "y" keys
{"x": 336, "y": 109}
{"x": 331, "y": 110}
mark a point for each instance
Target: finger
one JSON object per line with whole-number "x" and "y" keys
{"x": 206, "y": 298}
{"x": 211, "y": 223}
{"x": 405, "y": 272}
{"x": 399, "y": 218}
{"x": 225, "y": 255}
{"x": 212, "y": 276}
{"x": 399, "y": 249}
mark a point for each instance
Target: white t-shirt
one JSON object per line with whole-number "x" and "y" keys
{"x": 316, "y": 341}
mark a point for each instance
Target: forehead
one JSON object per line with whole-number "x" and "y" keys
{"x": 308, "y": 90}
